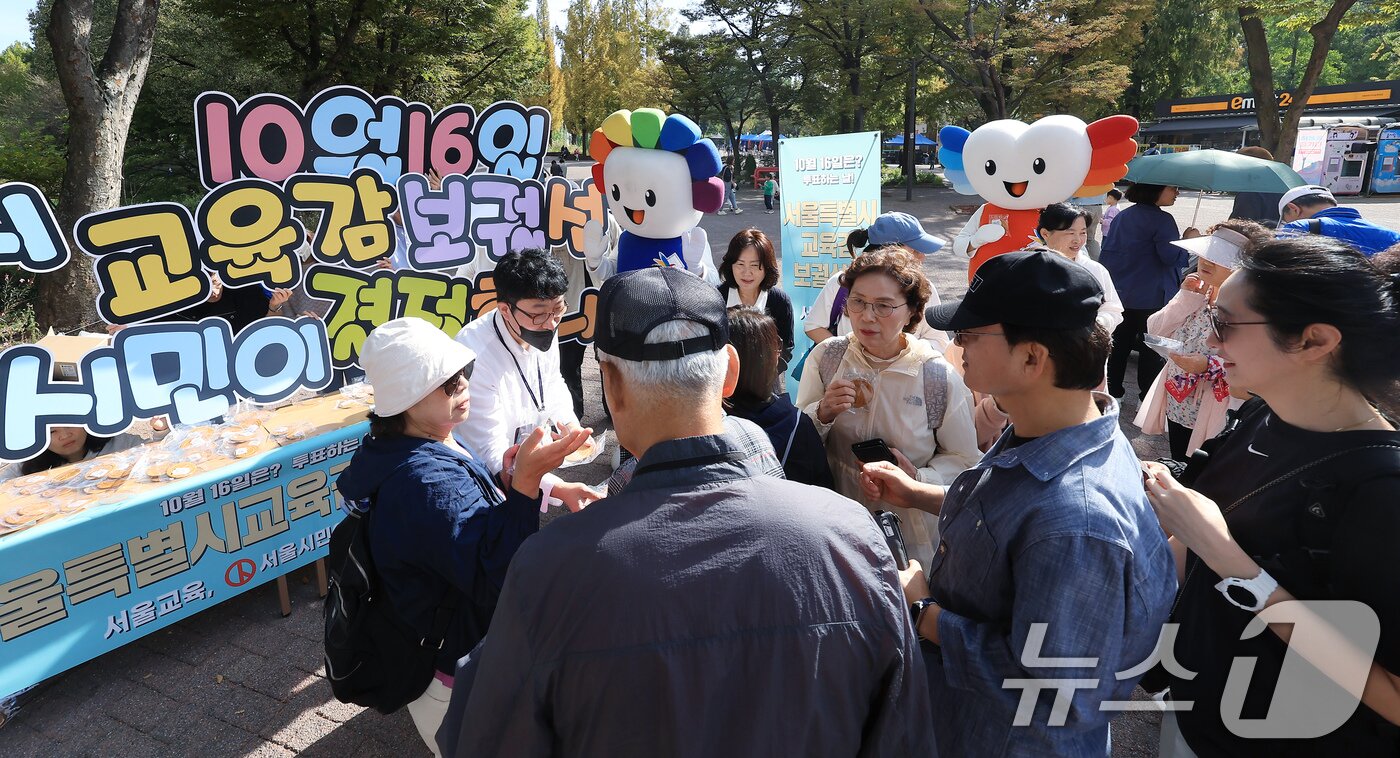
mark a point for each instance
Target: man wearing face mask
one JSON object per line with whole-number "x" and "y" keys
{"x": 516, "y": 385}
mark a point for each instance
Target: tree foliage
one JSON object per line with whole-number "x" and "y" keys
{"x": 611, "y": 59}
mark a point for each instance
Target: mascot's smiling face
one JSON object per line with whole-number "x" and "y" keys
{"x": 1020, "y": 166}
{"x": 649, "y": 192}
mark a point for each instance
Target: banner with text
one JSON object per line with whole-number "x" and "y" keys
{"x": 379, "y": 207}
{"x": 830, "y": 186}
{"x": 82, "y": 586}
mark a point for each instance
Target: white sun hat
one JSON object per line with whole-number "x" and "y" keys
{"x": 406, "y": 360}
{"x": 1222, "y": 247}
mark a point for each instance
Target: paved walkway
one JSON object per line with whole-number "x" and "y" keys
{"x": 241, "y": 680}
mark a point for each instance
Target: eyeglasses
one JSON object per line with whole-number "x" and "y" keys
{"x": 1221, "y": 327}
{"x": 855, "y": 305}
{"x": 960, "y": 338}
{"x": 540, "y": 319}
{"x": 454, "y": 383}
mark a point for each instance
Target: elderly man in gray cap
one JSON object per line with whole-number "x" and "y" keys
{"x": 706, "y": 608}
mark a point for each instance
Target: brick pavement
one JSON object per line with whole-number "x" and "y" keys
{"x": 240, "y": 680}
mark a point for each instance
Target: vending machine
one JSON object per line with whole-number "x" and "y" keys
{"x": 1385, "y": 177}
{"x": 1307, "y": 153}
{"x": 1346, "y": 159}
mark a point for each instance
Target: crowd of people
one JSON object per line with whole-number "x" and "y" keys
{"x": 726, "y": 591}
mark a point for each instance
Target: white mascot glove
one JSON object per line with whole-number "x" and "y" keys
{"x": 987, "y": 233}
{"x": 695, "y": 249}
{"x": 595, "y": 243}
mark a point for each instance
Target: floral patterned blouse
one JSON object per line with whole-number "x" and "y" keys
{"x": 1193, "y": 333}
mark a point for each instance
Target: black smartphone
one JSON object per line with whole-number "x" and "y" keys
{"x": 889, "y": 524}
{"x": 872, "y": 450}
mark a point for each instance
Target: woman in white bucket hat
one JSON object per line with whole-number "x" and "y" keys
{"x": 442, "y": 529}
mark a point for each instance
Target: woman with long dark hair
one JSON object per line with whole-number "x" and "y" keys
{"x": 1297, "y": 501}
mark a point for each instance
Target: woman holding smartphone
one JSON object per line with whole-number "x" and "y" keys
{"x": 883, "y": 382}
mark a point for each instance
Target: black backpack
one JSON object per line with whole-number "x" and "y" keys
{"x": 373, "y": 658}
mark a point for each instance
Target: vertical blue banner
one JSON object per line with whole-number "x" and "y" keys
{"x": 829, "y": 185}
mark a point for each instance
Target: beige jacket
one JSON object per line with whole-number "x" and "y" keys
{"x": 897, "y": 415}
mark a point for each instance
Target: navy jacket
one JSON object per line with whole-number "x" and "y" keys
{"x": 1139, "y": 255}
{"x": 795, "y": 440}
{"x": 438, "y": 524}
{"x": 1347, "y": 225}
{"x": 704, "y": 610}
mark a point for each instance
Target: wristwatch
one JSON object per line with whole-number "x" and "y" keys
{"x": 917, "y": 609}
{"x": 1249, "y": 594}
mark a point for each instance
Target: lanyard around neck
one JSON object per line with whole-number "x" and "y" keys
{"x": 539, "y": 372}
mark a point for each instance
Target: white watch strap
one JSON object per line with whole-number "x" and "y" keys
{"x": 1261, "y": 587}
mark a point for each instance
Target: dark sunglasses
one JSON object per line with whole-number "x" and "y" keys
{"x": 454, "y": 383}
{"x": 1221, "y": 327}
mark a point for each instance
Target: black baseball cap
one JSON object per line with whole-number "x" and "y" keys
{"x": 1031, "y": 289}
{"x": 630, "y": 305}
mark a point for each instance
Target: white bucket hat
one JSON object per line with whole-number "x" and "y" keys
{"x": 406, "y": 360}
{"x": 1222, "y": 247}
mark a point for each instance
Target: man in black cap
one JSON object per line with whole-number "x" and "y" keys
{"x": 705, "y": 608}
{"x": 1052, "y": 572}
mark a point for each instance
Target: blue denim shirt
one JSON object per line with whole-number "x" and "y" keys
{"x": 1056, "y": 530}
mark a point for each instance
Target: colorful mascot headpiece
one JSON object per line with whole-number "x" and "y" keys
{"x": 658, "y": 174}
{"x": 1019, "y": 168}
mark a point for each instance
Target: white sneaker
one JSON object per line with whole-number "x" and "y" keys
{"x": 737, "y": 211}
{"x": 721, "y": 212}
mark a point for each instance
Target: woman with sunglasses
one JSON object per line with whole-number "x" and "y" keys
{"x": 442, "y": 528}
{"x": 1297, "y": 501}
{"x": 1190, "y": 399}
{"x": 884, "y": 382}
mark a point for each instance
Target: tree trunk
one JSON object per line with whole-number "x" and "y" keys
{"x": 1281, "y": 138}
{"x": 100, "y": 102}
{"x": 1261, "y": 78}
{"x": 773, "y": 127}
{"x": 857, "y": 108}
{"x": 1322, "y": 33}
{"x": 909, "y": 130}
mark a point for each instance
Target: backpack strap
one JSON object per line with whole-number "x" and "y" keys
{"x": 838, "y": 306}
{"x": 935, "y": 392}
{"x": 831, "y": 358}
{"x": 787, "y": 450}
{"x": 1315, "y": 226}
{"x": 447, "y": 607}
{"x": 1328, "y": 493}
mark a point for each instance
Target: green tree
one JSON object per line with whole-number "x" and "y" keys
{"x": 1028, "y": 57}
{"x": 1322, "y": 19}
{"x": 857, "y": 41}
{"x": 1187, "y": 49}
{"x": 550, "y": 87}
{"x": 101, "y": 87}
{"x": 31, "y": 123}
{"x": 611, "y": 59}
{"x": 434, "y": 50}
{"x": 759, "y": 36}
{"x": 710, "y": 81}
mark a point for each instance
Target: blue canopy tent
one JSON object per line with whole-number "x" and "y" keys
{"x": 919, "y": 141}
